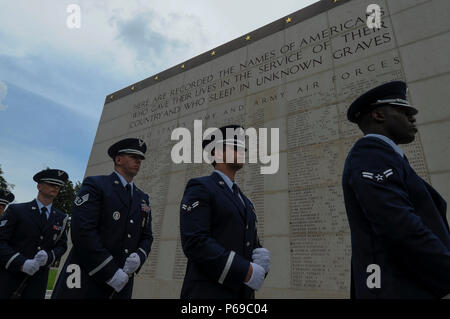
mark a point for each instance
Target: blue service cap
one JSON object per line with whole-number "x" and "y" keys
{"x": 391, "y": 93}
{"x": 51, "y": 176}
{"x": 237, "y": 140}
{"x": 6, "y": 197}
{"x": 128, "y": 146}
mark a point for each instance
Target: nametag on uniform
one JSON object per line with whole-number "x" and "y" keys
{"x": 3, "y": 222}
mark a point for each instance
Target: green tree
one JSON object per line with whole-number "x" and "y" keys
{"x": 66, "y": 196}
{"x": 3, "y": 183}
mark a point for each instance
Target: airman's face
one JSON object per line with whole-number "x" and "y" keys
{"x": 48, "y": 190}
{"x": 129, "y": 163}
{"x": 233, "y": 156}
{"x": 400, "y": 124}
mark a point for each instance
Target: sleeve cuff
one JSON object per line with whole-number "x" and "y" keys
{"x": 235, "y": 270}
{"x": 50, "y": 257}
{"x": 105, "y": 270}
{"x": 15, "y": 263}
{"x": 142, "y": 255}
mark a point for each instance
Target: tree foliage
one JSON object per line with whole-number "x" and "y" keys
{"x": 67, "y": 193}
{"x": 3, "y": 183}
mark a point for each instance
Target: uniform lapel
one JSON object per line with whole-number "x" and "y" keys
{"x": 229, "y": 193}
{"x": 249, "y": 208}
{"x": 51, "y": 220}
{"x": 135, "y": 202}
{"x": 119, "y": 189}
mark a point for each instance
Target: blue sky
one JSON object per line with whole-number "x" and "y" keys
{"x": 53, "y": 79}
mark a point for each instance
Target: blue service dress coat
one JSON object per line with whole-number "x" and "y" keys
{"x": 22, "y": 235}
{"x": 398, "y": 222}
{"x": 218, "y": 235}
{"x": 105, "y": 229}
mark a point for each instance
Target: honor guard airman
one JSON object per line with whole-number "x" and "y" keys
{"x": 110, "y": 230}
{"x": 218, "y": 227}
{"x": 6, "y": 197}
{"x": 32, "y": 236}
{"x": 399, "y": 230}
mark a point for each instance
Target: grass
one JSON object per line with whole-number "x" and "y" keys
{"x": 51, "y": 278}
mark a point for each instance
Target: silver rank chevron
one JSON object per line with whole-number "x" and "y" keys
{"x": 188, "y": 208}
{"x": 79, "y": 201}
{"x": 378, "y": 177}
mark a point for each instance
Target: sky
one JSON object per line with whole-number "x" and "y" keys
{"x": 54, "y": 79}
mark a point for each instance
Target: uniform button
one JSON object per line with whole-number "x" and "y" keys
{"x": 126, "y": 251}
{"x": 248, "y": 243}
{"x": 42, "y": 237}
{"x": 246, "y": 227}
{"x": 131, "y": 221}
{"x": 39, "y": 248}
{"x": 129, "y": 236}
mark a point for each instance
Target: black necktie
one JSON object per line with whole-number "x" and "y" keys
{"x": 44, "y": 215}
{"x": 236, "y": 191}
{"x": 129, "y": 196}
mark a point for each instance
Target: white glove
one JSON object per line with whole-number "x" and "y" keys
{"x": 257, "y": 278}
{"x": 261, "y": 256}
{"x": 132, "y": 263}
{"x": 119, "y": 280}
{"x": 41, "y": 257}
{"x": 30, "y": 266}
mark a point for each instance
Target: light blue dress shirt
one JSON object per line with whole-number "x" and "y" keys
{"x": 124, "y": 182}
{"x": 229, "y": 183}
{"x": 389, "y": 141}
{"x": 40, "y": 205}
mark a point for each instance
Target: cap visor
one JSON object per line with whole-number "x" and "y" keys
{"x": 52, "y": 182}
{"x": 410, "y": 109}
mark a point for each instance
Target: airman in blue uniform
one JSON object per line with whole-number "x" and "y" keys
{"x": 399, "y": 230}
{"x": 32, "y": 236}
{"x": 110, "y": 230}
{"x": 218, "y": 228}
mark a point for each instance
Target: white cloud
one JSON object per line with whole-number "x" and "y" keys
{"x": 3, "y": 93}
{"x": 200, "y": 24}
{"x": 119, "y": 42}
